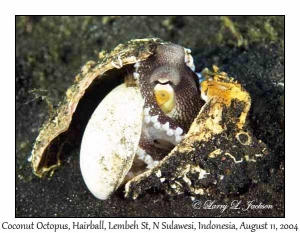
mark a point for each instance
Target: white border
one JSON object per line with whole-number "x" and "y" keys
{"x": 7, "y": 116}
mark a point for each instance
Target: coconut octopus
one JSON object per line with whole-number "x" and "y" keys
{"x": 172, "y": 100}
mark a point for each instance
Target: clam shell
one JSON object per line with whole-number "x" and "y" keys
{"x": 218, "y": 151}
{"x": 45, "y": 155}
{"x": 110, "y": 140}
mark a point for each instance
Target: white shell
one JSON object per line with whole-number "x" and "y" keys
{"x": 111, "y": 139}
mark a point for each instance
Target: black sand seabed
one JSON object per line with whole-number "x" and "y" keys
{"x": 50, "y": 52}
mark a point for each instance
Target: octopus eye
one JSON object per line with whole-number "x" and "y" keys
{"x": 164, "y": 95}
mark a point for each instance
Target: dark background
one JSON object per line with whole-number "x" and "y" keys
{"x": 50, "y": 52}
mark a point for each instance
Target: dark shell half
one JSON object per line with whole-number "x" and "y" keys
{"x": 82, "y": 98}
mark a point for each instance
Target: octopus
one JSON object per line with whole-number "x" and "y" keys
{"x": 172, "y": 101}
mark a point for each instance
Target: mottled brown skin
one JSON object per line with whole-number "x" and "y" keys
{"x": 168, "y": 61}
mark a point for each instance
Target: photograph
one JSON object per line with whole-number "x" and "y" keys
{"x": 150, "y": 116}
